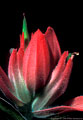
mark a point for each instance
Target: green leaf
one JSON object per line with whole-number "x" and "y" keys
{"x": 9, "y": 111}
{"x": 25, "y": 30}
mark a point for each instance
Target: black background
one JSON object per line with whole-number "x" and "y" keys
{"x": 66, "y": 19}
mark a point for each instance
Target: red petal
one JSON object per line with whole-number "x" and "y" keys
{"x": 58, "y": 69}
{"x": 15, "y": 75}
{"x": 59, "y": 79}
{"x": 12, "y": 68}
{"x": 20, "y": 56}
{"x": 55, "y": 110}
{"x": 5, "y": 89}
{"x": 13, "y": 71}
{"x": 54, "y": 88}
{"x": 53, "y": 44}
{"x": 77, "y": 101}
{"x": 75, "y": 104}
{"x": 36, "y": 63}
{"x": 62, "y": 82}
{"x": 22, "y": 41}
{"x": 22, "y": 88}
{"x": 6, "y": 79}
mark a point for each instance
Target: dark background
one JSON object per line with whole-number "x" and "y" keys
{"x": 66, "y": 19}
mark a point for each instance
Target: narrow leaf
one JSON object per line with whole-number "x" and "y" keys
{"x": 9, "y": 110}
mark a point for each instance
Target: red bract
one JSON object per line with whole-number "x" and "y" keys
{"x": 36, "y": 62}
{"x": 40, "y": 66}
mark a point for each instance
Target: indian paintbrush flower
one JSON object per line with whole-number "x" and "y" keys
{"x": 39, "y": 74}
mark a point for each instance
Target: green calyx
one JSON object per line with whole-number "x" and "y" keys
{"x": 69, "y": 56}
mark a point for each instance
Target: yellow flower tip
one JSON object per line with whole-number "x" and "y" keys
{"x": 73, "y": 54}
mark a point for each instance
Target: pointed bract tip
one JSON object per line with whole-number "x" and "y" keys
{"x": 25, "y": 29}
{"x": 23, "y": 14}
{"x": 38, "y": 31}
{"x": 49, "y": 28}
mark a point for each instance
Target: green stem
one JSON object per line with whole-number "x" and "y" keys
{"x": 26, "y": 111}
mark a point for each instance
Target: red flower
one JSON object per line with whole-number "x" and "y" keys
{"x": 39, "y": 66}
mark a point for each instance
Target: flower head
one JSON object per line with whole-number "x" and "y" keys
{"x": 39, "y": 73}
